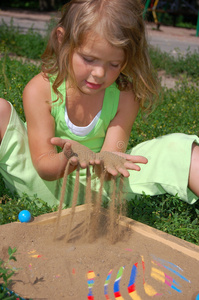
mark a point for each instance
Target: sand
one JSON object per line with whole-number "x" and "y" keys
{"x": 55, "y": 269}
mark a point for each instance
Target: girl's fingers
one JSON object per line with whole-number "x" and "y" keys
{"x": 131, "y": 166}
{"x": 74, "y": 161}
{"x": 133, "y": 158}
{"x": 123, "y": 169}
{"x": 58, "y": 142}
{"x": 64, "y": 144}
{"x": 138, "y": 159}
{"x": 97, "y": 161}
{"x": 83, "y": 164}
{"x": 124, "y": 172}
{"x": 111, "y": 170}
{"x": 68, "y": 152}
{"x": 114, "y": 172}
{"x": 91, "y": 162}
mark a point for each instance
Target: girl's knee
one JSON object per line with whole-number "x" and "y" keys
{"x": 194, "y": 170}
{"x": 195, "y": 153}
{"x": 5, "y": 112}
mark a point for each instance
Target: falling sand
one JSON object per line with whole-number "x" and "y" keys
{"x": 95, "y": 214}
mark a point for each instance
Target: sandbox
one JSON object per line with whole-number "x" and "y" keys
{"x": 141, "y": 263}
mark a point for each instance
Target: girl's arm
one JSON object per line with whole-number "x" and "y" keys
{"x": 119, "y": 131}
{"x": 49, "y": 164}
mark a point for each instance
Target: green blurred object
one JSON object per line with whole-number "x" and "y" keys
{"x": 197, "y": 27}
{"x": 146, "y": 7}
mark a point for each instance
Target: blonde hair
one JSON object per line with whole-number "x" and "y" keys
{"x": 121, "y": 23}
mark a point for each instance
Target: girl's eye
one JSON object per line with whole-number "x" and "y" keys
{"x": 88, "y": 59}
{"x": 115, "y": 65}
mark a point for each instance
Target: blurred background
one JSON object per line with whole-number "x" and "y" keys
{"x": 179, "y": 13}
{"x": 37, "y": 5}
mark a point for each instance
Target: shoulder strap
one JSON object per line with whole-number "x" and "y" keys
{"x": 60, "y": 102}
{"x": 110, "y": 104}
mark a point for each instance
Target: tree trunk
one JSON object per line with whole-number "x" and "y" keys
{"x": 46, "y": 4}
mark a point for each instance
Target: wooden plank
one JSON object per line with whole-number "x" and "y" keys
{"x": 173, "y": 242}
{"x": 52, "y": 217}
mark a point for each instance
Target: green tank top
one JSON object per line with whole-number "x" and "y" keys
{"x": 95, "y": 138}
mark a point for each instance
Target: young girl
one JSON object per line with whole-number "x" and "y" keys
{"x": 96, "y": 74}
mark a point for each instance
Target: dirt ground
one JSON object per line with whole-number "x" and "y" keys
{"x": 133, "y": 267}
{"x": 173, "y": 33}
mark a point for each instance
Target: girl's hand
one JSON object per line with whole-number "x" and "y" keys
{"x": 114, "y": 163}
{"x": 118, "y": 162}
{"x": 76, "y": 152}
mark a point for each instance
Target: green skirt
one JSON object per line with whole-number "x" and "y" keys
{"x": 167, "y": 170}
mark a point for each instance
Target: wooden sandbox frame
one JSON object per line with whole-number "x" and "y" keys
{"x": 187, "y": 248}
{"x": 162, "y": 265}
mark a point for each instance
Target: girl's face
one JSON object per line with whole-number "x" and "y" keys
{"x": 96, "y": 64}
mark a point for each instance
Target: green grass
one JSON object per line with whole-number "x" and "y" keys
{"x": 176, "y": 112}
{"x": 14, "y": 76}
{"x": 181, "y": 65}
{"x": 10, "y": 207}
{"x": 30, "y": 45}
{"x": 167, "y": 213}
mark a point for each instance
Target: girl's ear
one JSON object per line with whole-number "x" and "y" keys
{"x": 60, "y": 34}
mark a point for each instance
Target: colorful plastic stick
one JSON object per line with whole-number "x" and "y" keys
{"x": 116, "y": 287}
{"x": 131, "y": 287}
{"x": 106, "y": 285}
{"x": 91, "y": 280}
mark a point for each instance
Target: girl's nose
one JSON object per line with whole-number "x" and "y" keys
{"x": 98, "y": 71}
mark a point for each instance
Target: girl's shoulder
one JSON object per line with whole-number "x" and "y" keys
{"x": 127, "y": 97}
{"x": 37, "y": 89}
{"x": 127, "y": 94}
{"x": 127, "y": 104}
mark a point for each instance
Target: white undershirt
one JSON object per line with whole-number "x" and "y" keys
{"x": 81, "y": 131}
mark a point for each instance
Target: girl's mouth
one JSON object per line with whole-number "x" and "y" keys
{"x": 93, "y": 86}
